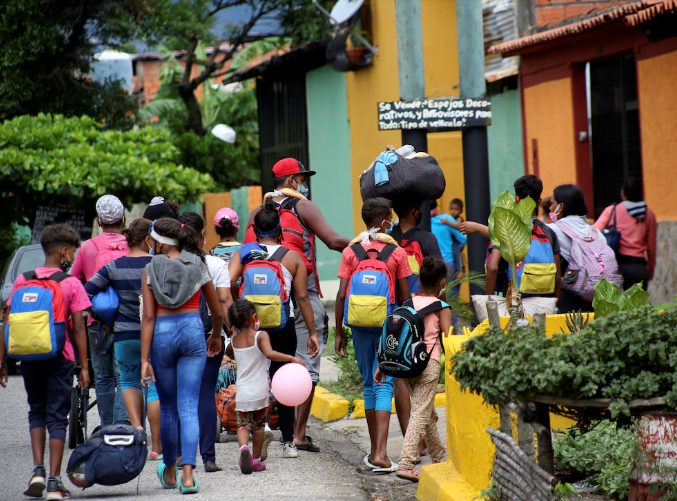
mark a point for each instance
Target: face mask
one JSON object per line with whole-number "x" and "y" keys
{"x": 65, "y": 265}
{"x": 303, "y": 190}
{"x": 555, "y": 215}
{"x": 151, "y": 251}
{"x": 389, "y": 230}
{"x": 257, "y": 325}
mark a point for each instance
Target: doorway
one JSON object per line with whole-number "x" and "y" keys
{"x": 613, "y": 114}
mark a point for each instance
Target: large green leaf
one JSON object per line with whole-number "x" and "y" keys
{"x": 512, "y": 233}
{"x": 635, "y": 297}
{"x": 525, "y": 209}
{"x": 608, "y": 299}
{"x": 505, "y": 200}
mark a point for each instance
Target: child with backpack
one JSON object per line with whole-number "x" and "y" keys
{"x": 269, "y": 272}
{"x": 251, "y": 349}
{"x": 372, "y": 269}
{"x": 37, "y": 331}
{"x": 423, "y": 420}
{"x": 586, "y": 257}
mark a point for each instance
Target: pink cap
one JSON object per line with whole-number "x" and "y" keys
{"x": 228, "y": 213}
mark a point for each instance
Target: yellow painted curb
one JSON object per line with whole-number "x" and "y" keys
{"x": 442, "y": 482}
{"x": 358, "y": 412}
{"x": 327, "y": 406}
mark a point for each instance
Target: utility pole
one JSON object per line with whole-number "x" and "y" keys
{"x": 411, "y": 74}
{"x": 470, "y": 33}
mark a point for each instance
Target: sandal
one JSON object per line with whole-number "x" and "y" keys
{"x": 310, "y": 446}
{"x": 161, "y": 467}
{"x": 411, "y": 475}
{"x": 189, "y": 490}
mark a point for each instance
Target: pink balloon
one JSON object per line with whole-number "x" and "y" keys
{"x": 292, "y": 385}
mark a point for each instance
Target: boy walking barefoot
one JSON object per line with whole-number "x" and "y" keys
{"x": 251, "y": 349}
{"x": 48, "y": 382}
{"x": 423, "y": 419}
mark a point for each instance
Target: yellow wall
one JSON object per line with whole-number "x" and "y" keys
{"x": 379, "y": 82}
{"x": 658, "y": 113}
{"x": 548, "y": 114}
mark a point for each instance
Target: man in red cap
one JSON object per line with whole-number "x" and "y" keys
{"x": 290, "y": 180}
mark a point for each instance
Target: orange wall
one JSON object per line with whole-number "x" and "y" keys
{"x": 656, "y": 79}
{"x": 548, "y": 114}
{"x": 213, "y": 203}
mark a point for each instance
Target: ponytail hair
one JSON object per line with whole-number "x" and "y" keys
{"x": 189, "y": 239}
{"x": 137, "y": 232}
{"x": 227, "y": 228}
{"x": 194, "y": 220}
{"x": 174, "y": 205}
{"x": 240, "y": 313}
{"x": 267, "y": 220}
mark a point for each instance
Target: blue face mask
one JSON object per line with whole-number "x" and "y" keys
{"x": 303, "y": 190}
{"x": 389, "y": 230}
{"x": 150, "y": 251}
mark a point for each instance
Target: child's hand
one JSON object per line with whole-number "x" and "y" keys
{"x": 379, "y": 377}
{"x": 340, "y": 344}
{"x": 83, "y": 378}
{"x": 147, "y": 374}
{"x": 297, "y": 361}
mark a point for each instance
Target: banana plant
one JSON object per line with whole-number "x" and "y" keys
{"x": 510, "y": 231}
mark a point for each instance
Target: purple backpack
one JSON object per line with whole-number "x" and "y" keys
{"x": 591, "y": 261}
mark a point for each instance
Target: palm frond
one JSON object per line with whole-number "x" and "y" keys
{"x": 159, "y": 107}
{"x": 459, "y": 306}
{"x": 255, "y": 49}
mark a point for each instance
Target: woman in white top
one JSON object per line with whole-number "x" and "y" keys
{"x": 207, "y": 403}
{"x": 568, "y": 206}
{"x": 268, "y": 234}
{"x": 251, "y": 349}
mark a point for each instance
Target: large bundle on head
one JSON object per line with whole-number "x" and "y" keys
{"x": 403, "y": 174}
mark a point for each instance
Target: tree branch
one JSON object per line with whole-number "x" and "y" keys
{"x": 221, "y": 6}
{"x": 235, "y": 42}
{"x": 189, "y": 62}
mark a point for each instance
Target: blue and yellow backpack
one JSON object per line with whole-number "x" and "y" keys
{"x": 36, "y": 327}
{"x": 536, "y": 274}
{"x": 371, "y": 290}
{"x": 263, "y": 285}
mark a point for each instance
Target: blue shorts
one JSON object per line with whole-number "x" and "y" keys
{"x": 128, "y": 355}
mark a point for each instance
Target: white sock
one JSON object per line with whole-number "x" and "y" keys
{"x": 244, "y": 447}
{"x": 257, "y": 460}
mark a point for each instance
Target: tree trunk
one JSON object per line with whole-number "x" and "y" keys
{"x": 194, "y": 122}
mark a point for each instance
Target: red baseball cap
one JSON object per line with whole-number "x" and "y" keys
{"x": 289, "y": 166}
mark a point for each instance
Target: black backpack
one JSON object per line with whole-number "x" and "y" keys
{"x": 402, "y": 352}
{"x": 114, "y": 454}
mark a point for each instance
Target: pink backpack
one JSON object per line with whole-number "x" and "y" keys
{"x": 591, "y": 261}
{"x": 108, "y": 251}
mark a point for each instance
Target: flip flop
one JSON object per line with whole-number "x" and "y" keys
{"x": 310, "y": 446}
{"x": 411, "y": 475}
{"x": 161, "y": 467}
{"x": 189, "y": 490}
{"x": 392, "y": 468}
{"x": 368, "y": 463}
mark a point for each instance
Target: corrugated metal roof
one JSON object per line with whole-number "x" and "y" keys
{"x": 500, "y": 26}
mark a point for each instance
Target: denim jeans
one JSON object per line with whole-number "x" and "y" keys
{"x": 178, "y": 355}
{"x": 376, "y": 396}
{"x": 110, "y": 404}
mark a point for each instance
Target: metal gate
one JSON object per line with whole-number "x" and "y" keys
{"x": 283, "y": 123}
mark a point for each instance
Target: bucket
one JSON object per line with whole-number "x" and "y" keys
{"x": 656, "y": 456}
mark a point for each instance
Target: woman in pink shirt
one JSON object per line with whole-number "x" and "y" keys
{"x": 637, "y": 224}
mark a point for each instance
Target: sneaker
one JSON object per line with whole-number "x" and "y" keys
{"x": 259, "y": 466}
{"x": 154, "y": 456}
{"x": 268, "y": 437}
{"x": 290, "y": 451}
{"x": 56, "y": 490}
{"x": 246, "y": 462}
{"x": 36, "y": 486}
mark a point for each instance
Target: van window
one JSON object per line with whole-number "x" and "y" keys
{"x": 29, "y": 260}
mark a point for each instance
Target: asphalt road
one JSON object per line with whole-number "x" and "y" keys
{"x": 333, "y": 474}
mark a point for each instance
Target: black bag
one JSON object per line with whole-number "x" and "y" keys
{"x": 402, "y": 352}
{"x": 114, "y": 454}
{"x": 612, "y": 235}
{"x": 419, "y": 178}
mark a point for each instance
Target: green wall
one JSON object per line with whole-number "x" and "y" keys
{"x": 329, "y": 153}
{"x": 506, "y": 160}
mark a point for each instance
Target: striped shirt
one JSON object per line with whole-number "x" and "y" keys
{"x": 124, "y": 275}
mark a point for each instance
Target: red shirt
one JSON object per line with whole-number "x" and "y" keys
{"x": 397, "y": 263}
{"x": 74, "y": 296}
